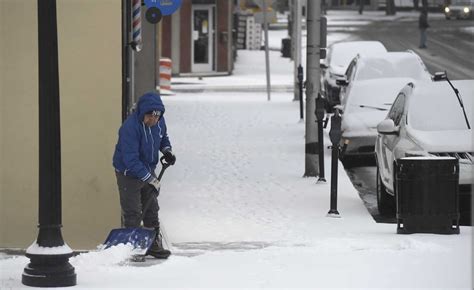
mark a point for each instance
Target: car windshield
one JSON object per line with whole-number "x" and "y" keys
{"x": 462, "y": 2}
{"x": 387, "y": 67}
{"x": 438, "y": 109}
{"x": 363, "y": 96}
{"x": 343, "y": 53}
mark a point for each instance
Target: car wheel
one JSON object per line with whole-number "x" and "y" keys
{"x": 448, "y": 18}
{"x": 385, "y": 202}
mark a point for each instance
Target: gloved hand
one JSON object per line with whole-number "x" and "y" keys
{"x": 169, "y": 157}
{"x": 153, "y": 181}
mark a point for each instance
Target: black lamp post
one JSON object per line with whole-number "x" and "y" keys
{"x": 49, "y": 256}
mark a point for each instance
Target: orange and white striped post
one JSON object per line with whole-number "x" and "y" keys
{"x": 165, "y": 76}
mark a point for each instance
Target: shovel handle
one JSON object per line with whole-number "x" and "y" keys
{"x": 164, "y": 165}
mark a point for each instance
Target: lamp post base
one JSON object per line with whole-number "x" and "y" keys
{"x": 49, "y": 271}
{"x": 333, "y": 213}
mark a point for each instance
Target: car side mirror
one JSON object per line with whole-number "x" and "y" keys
{"x": 323, "y": 65}
{"x": 342, "y": 82}
{"x": 387, "y": 127}
{"x": 440, "y": 76}
{"x": 340, "y": 108}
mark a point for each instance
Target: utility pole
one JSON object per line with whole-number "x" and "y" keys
{"x": 267, "y": 54}
{"x": 313, "y": 18}
{"x": 296, "y": 40}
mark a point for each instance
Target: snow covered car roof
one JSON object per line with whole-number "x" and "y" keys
{"x": 341, "y": 53}
{"x": 391, "y": 65}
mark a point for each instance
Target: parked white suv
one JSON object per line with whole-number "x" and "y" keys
{"x": 426, "y": 119}
{"x": 404, "y": 64}
{"x": 363, "y": 110}
{"x": 340, "y": 55}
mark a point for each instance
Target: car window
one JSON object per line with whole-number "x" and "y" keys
{"x": 328, "y": 58}
{"x": 398, "y": 65}
{"x": 396, "y": 111}
{"x": 350, "y": 69}
{"x": 462, "y": 2}
{"x": 436, "y": 107}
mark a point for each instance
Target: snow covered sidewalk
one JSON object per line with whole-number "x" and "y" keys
{"x": 239, "y": 214}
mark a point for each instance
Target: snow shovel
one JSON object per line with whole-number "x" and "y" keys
{"x": 140, "y": 238}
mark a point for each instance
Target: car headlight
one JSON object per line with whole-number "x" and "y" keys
{"x": 446, "y": 9}
{"x": 466, "y": 10}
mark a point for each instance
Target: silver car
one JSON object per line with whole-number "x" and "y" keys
{"x": 426, "y": 119}
{"x": 459, "y": 9}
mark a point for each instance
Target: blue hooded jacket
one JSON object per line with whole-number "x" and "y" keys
{"x": 136, "y": 153}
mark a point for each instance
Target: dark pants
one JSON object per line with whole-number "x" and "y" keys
{"x": 422, "y": 37}
{"x": 134, "y": 194}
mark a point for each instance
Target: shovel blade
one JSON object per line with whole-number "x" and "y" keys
{"x": 140, "y": 239}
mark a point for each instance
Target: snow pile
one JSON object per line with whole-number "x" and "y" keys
{"x": 112, "y": 256}
{"x": 469, "y": 29}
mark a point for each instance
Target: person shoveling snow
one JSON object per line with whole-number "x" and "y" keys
{"x": 141, "y": 137}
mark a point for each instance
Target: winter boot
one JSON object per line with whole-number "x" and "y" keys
{"x": 156, "y": 250}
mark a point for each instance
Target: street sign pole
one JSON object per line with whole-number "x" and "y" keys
{"x": 267, "y": 55}
{"x": 296, "y": 40}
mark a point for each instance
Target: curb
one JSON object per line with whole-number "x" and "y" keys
{"x": 260, "y": 88}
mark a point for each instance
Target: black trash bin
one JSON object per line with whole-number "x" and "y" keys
{"x": 286, "y": 47}
{"x": 427, "y": 195}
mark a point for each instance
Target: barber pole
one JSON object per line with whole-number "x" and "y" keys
{"x": 165, "y": 76}
{"x": 137, "y": 25}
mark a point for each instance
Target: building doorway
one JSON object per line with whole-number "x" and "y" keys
{"x": 203, "y": 38}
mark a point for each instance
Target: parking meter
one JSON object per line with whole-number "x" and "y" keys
{"x": 320, "y": 112}
{"x": 300, "y": 74}
{"x": 300, "y": 87}
{"x": 335, "y": 133}
{"x": 320, "y": 108}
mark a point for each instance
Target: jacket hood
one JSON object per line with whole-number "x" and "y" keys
{"x": 149, "y": 102}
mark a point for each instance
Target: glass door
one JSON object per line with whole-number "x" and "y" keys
{"x": 202, "y": 38}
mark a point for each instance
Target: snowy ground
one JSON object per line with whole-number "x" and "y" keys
{"x": 469, "y": 29}
{"x": 239, "y": 214}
